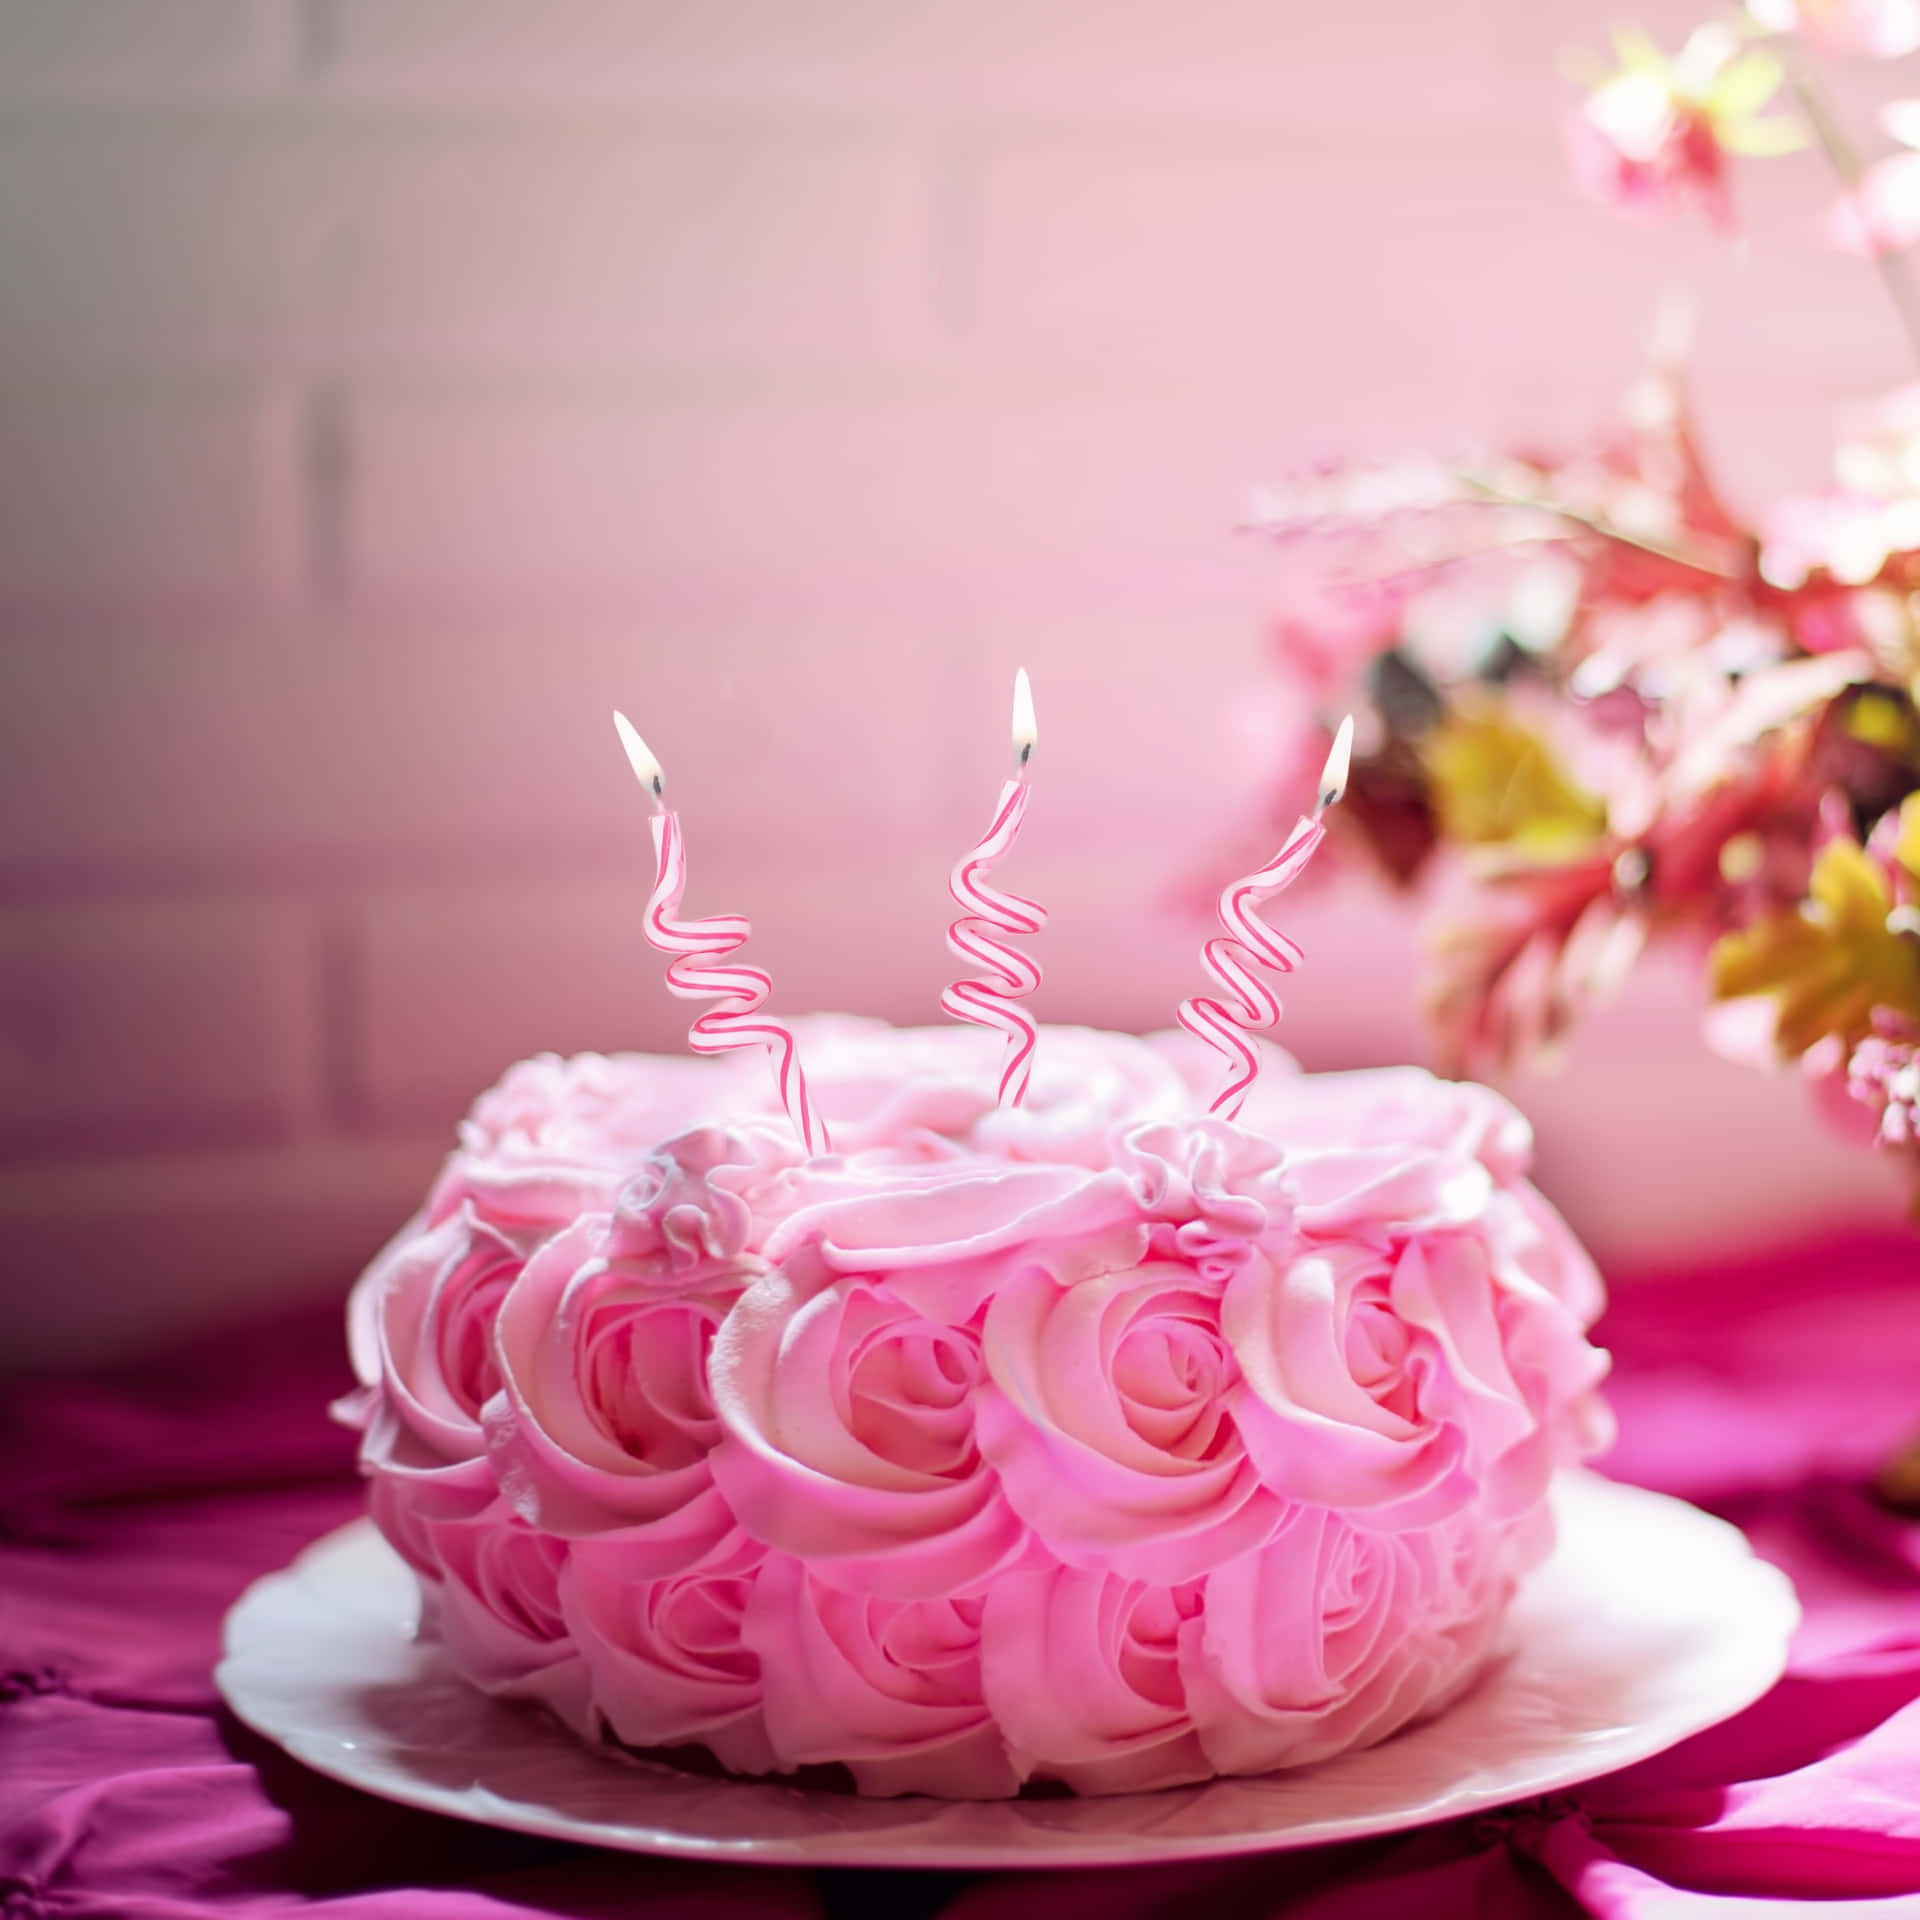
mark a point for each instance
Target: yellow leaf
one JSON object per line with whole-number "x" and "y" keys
{"x": 1830, "y": 962}
{"x": 1906, "y": 848}
{"x": 1745, "y": 85}
{"x": 1878, "y": 717}
{"x": 1635, "y": 48}
{"x": 1761, "y": 139}
{"x": 1494, "y": 782}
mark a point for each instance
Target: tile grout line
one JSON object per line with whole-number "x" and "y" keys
{"x": 326, "y": 477}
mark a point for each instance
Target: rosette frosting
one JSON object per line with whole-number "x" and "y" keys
{"x": 1099, "y": 1441}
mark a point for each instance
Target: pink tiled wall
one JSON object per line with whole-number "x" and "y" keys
{"x": 388, "y": 387}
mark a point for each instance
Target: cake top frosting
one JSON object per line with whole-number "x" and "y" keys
{"x": 686, "y": 1174}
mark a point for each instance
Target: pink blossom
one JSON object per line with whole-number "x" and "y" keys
{"x": 1881, "y": 214}
{"x": 1633, "y": 147}
{"x": 1884, "y": 1076}
{"x": 1655, "y": 136}
{"x": 1884, "y": 29}
{"x": 1847, "y": 536}
{"x": 1878, "y": 448}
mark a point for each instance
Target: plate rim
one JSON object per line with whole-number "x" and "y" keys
{"x": 1037, "y": 1848}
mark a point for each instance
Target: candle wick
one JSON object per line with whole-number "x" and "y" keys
{"x": 646, "y": 769}
{"x": 1024, "y": 732}
{"x": 1333, "y": 776}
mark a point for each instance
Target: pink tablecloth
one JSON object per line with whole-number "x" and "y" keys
{"x": 132, "y": 1511}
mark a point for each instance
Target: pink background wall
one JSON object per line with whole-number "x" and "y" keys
{"x": 388, "y": 387}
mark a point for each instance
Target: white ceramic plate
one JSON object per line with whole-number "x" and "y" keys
{"x": 1651, "y": 1621}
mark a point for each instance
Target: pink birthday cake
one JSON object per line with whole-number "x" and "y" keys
{"x": 1095, "y": 1441}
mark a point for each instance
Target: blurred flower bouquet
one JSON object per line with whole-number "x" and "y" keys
{"x": 1598, "y": 706}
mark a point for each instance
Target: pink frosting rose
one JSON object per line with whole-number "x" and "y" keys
{"x": 666, "y": 1655}
{"x": 849, "y": 1437}
{"x": 1111, "y": 1412}
{"x": 1534, "y": 1251}
{"x": 606, "y": 1416}
{"x": 1108, "y": 1416}
{"x": 1426, "y": 1342}
{"x": 499, "y": 1612}
{"x": 704, "y": 1200}
{"x": 1380, "y": 1382}
{"x": 1082, "y": 1673}
{"x": 1220, "y": 1187}
{"x": 394, "y": 1506}
{"x": 1547, "y": 1292}
{"x": 889, "y": 1687}
{"x": 553, "y": 1139}
{"x": 847, "y": 1376}
{"x": 420, "y": 1328}
{"x": 1333, "y": 1636}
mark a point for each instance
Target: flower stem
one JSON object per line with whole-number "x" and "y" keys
{"x": 1896, "y": 274}
{"x": 1695, "y": 559}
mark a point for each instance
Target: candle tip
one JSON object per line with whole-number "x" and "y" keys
{"x": 646, "y": 769}
{"x": 1025, "y": 733}
{"x": 1333, "y": 776}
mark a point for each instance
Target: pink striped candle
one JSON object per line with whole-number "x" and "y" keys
{"x": 697, "y": 944}
{"x": 995, "y": 1001}
{"x": 1249, "y": 943}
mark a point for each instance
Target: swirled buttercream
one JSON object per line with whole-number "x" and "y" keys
{"x": 1100, "y": 1441}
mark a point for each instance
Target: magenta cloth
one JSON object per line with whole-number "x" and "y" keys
{"x": 133, "y": 1511}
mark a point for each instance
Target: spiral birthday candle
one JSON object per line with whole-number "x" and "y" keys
{"x": 698, "y": 944}
{"x": 1250, "y": 943}
{"x": 995, "y": 1001}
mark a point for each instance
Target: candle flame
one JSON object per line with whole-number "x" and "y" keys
{"x": 1025, "y": 733}
{"x": 1333, "y": 776}
{"x": 646, "y": 769}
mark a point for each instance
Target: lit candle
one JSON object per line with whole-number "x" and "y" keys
{"x": 697, "y": 944}
{"x": 995, "y": 1002}
{"x": 1249, "y": 943}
